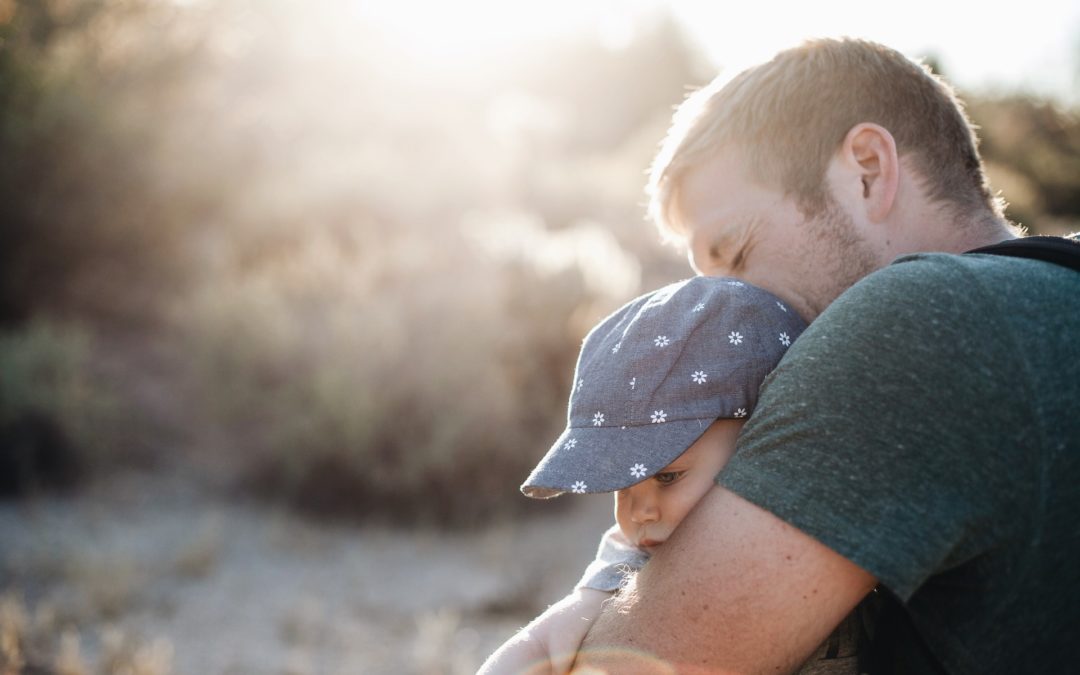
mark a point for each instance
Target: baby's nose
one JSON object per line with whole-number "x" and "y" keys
{"x": 644, "y": 508}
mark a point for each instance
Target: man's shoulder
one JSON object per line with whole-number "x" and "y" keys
{"x": 926, "y": 311}
{"x": 929, "y": 272}
{"x": 938, "y": 268}
{"x": 913, "y": 289}
{"x": 949, "y": 285}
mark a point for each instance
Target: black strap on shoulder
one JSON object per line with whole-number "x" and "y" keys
{"x": 1064, "y": 251}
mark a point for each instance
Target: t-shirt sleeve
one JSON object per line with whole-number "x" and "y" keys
{"x": 867, "y": 435}
{"x": 615, "y": 558}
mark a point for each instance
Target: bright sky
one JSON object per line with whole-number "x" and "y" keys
{"x": 1030, "y": 44}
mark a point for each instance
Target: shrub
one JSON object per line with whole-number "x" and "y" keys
{"x": 55, "y": 420}
{"x": 413, "y": 381}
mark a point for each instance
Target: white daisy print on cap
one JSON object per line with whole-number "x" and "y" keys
{"x": 661, "y": 341}
{"x": 598, "y": 419}
{"x": 659, "y": 416}
{"x": 578, "y": 487}
{"x": 699, "y": 376}
{"x": 638, "y": 470}
{"x": 785, "y": 339}
{"x": 735, "y": 338}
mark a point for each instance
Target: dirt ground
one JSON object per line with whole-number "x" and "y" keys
{"x": 147, "y": 576}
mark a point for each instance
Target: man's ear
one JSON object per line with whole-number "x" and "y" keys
{"x": 869, "y": 155}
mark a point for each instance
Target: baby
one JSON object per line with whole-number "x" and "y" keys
{"x": 661, "y": 390}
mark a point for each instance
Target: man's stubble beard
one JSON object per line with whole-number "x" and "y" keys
{"x": 840, "y": 256}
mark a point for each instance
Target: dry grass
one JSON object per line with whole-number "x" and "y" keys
{"x": 138, "y": 583}
{"x": 38, "y": 645}
{"x": 13, "y": 631}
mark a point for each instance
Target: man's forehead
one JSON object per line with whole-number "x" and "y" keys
{"x": 712, "y": 189}
{"x": 721, "y": 194}
{"x": 712, "y": 221}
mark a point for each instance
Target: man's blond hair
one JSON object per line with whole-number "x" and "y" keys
{"x": 789, "y": 116}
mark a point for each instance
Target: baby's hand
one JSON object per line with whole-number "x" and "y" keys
{"x": 550, "y": 643}
{"x": 564, "y": 625}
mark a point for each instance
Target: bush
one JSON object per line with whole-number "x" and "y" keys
{"x": 94, "y": 197}
{"x": 416, "y": 382}
{"x": 55, "y": 420}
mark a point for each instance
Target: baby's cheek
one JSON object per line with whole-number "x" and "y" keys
{"x": 622, "y": 517}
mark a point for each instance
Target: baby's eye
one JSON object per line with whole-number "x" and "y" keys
{"x": 668, "y": 477}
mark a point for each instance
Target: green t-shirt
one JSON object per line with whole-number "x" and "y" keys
{"x": 927, "y": 427}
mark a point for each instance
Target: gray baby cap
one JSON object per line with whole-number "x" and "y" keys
{"x": 654, "y": 375}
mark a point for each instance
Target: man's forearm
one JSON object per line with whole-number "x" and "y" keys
{"x": 735, "y": 589}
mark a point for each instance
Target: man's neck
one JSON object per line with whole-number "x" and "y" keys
{"x": 964, "y": 235}
{"x": 985, "y": 231}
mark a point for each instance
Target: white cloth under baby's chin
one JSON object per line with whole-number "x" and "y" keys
{"x": 616, "y": 558}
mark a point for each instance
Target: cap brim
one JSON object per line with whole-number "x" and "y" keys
{"x": 606, "y": 459}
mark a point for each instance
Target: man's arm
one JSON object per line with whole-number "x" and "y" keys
{"x": 735, "y": 589}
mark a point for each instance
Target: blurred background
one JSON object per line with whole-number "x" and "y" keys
{"x": 291, "y": 293}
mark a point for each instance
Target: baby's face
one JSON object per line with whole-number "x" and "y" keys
{"x": 648, "y": 512}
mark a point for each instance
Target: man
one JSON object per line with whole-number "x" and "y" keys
{"x": 921, "y": 437}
